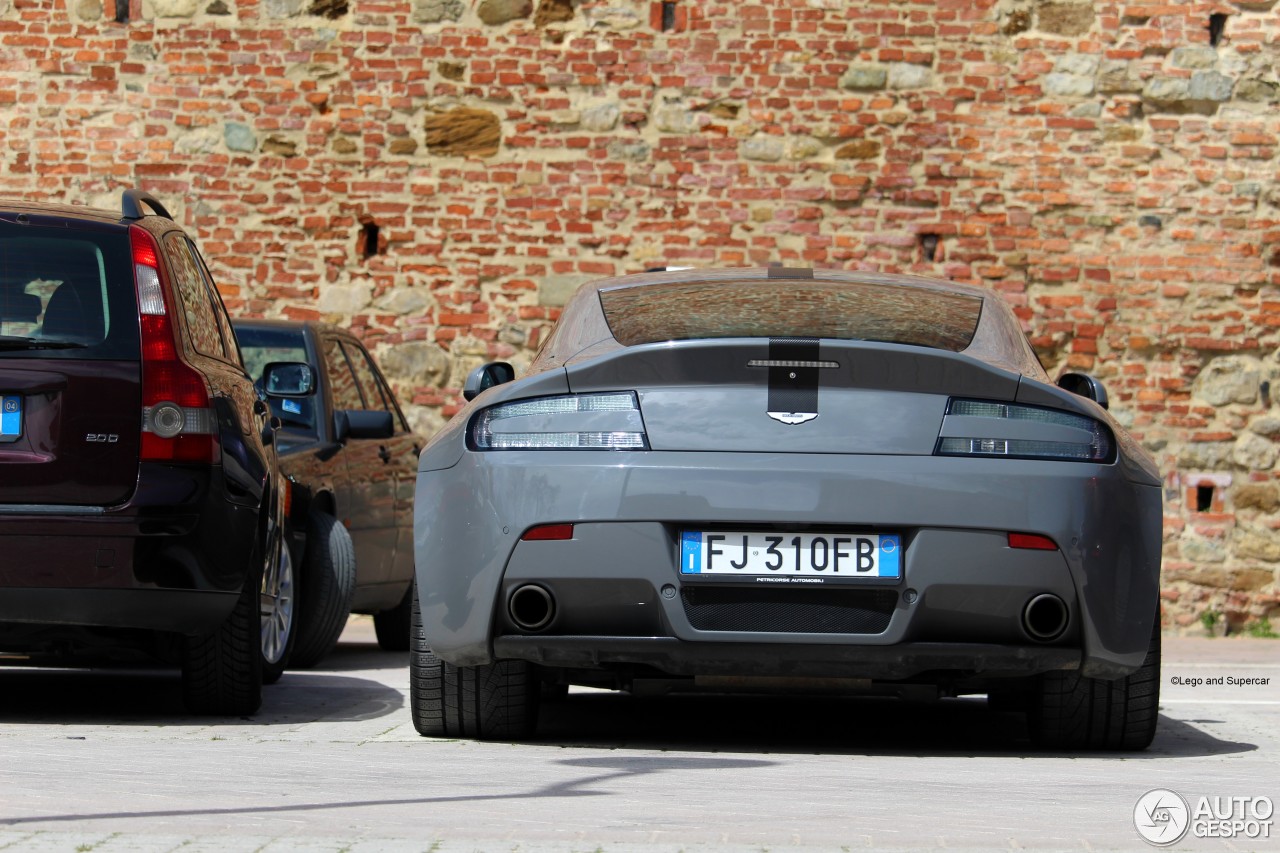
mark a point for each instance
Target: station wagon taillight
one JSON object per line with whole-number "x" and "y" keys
{"x": 178, "y": 422}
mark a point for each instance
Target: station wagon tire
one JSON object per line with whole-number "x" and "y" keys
{"x": 328, "y": 585}
{"x": 393, "y": 626}
{"x": 277, "y": 607}
{"x": 495, "y": 701}
{"x": 1069, "y": 711}
{"x": 222, "y": 671}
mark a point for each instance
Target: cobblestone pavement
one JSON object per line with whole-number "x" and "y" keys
{"x": 95, "y": 761}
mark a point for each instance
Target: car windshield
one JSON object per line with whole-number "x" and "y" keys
{"x": 896, "y": 314}
{"x": 64, "y": 291}
{"x": 261, "y": 346}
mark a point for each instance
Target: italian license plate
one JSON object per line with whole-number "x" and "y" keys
{"x": 10, "y": 417}
{"x": 774, "y": 557}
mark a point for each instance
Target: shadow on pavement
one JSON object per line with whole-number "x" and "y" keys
{"x": 145, "y": 697}
{"x": 839, "y": 726}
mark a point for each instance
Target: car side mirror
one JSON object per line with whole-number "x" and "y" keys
{"x": 485, "y": 377}
{"x": 1086, "y": 386}
{"x": 355, "y": 423}
{"x": 288, "y": 379}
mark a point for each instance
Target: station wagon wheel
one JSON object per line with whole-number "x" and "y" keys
{"x": 276, "y": 607}
{"x": 222, "y": 671}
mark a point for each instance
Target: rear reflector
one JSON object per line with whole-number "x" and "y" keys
{"x": 548, "y": 532}
{"x": 1032, "y": 541}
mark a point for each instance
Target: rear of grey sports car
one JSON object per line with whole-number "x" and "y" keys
{"x": 788, "y": 480}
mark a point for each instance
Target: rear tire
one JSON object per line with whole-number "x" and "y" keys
{"x": 1069, "y": 711}
{"x": 495, "y": 701}
{"x": 328, "y": 586}
{"x": 222, "y": 672}
{"x": 393, "y": 626}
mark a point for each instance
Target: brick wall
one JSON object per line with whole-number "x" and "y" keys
{"x": 439, "y": 174}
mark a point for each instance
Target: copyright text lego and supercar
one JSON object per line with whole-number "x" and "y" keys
{"x": 1219, "y": 681}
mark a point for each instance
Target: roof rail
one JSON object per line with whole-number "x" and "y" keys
{"x": 133, "y": 200}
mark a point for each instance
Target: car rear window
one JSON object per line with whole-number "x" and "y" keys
{"x": 891, "y": 313}
{"x": 66, "y": 293}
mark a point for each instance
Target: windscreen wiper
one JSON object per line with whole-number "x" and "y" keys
{"x": 12, "y": 342}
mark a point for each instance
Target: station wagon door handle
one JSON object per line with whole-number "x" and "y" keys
{"x": 383, "y": 453}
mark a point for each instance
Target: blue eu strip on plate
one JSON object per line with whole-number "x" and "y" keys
{"x": 10, "y": 415}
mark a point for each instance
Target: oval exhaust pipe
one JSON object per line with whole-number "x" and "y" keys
{"x": 1045, "y": 617}
{"x": 531, "y": 607}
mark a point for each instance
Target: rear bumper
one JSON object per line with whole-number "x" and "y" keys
{"x": 890, "y": 663}
{"x": 961, "y": 585}
{"x": 173, "y": 559}
{"x": 180, "y": 611}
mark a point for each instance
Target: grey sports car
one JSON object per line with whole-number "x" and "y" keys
{"x": 785, "y": 479}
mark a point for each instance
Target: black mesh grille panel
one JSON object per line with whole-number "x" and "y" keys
{"x": 802, "y": 611}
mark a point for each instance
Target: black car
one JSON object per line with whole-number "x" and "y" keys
{"x": 351, "y": 464}
{"x": 141, "y": 510}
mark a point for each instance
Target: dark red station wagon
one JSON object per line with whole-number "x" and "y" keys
{"x": 139, "y": 508}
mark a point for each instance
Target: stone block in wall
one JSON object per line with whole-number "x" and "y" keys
{"x": 170, "y": 8}
{"x": 600, "y": 118}
{"x": 494, "y": 12}
{"x": 1228, "y": 379}
{"x": 1257, "y": 543}
{"x": 344, "y": 298}
{"x": 1264, "y": 497}
{"x": 1199, "y": 549}
{"x": 804, "y": 148}
{"x": 1117, "y": 75}
{"x": 1193, "y": 58}
{"x": 1068, "y": 85}
{"x": 239, "y": 137}
{"x": 1065, "y": 19}
{"x": 435, "y": 11}
{"x": 611, "y": 18}
{"x": 417, "y": 363}
{"x": 1254, "y": 452}
{"x": 463, "y": 132}
{"x": 1167, "y": 90}
{"x": 405, "y": 301}
{"x": 279, "y": 9}
{"x": 908, "y": 75}
{"x": 768, "y": 148}
{"x": 864, "y": 77}
{"x": 674, "y": 118}
{"x": 1258, "y": 91}
{"x": 634, "y": 150}
{"x": 1268, "y": 425}
{"x": 1210, "y": 86}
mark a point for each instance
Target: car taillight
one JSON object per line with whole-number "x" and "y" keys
{"x": 994, "y": 429}
{"x": 571, "y": 422}
{"x": 178, "y": 422}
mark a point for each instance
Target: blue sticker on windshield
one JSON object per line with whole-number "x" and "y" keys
{"x": 10, "y": 416}
{"x": 292, "y": 406}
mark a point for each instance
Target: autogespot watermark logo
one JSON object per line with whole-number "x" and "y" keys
{"x": 1163, "y": 817}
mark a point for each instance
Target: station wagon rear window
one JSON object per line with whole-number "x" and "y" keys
{"x": 889, "y": 313}
{"x": 66, "y": 293}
